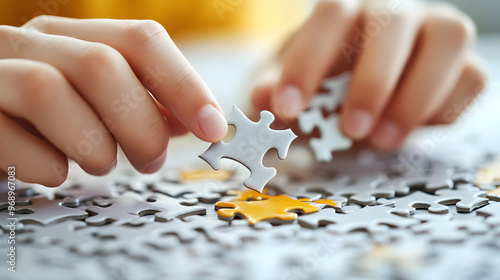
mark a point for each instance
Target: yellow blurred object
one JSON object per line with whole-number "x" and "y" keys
{"x": 488, "y": 174}
{"x": 206, "y": 174}
{"x": 180, "y": 17}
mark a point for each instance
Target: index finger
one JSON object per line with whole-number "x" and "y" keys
{"x": 156, "y": 61}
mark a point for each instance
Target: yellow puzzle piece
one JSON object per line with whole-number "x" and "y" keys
{"x": 256, "y": 207}
{"x": 489, "y": 175}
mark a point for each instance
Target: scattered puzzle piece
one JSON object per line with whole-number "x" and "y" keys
{"x": 430, "y": 179}
{"x": 93, "y": 187}
{"x": 466, "y": 197}
{"x": 64, "y": 234}
{"x": 363, "y": 190}
{"x": 249, "y": 145}
{"x": 46, "y": 211}
{"x": 370, "y": 218}
{"x": 21, "y": 194}
{"x": 171, "y": 208}
{"x": 204, "y": 191}
{"x": 331, "y": 139}
{"x": 233, "y": 236}
{"x": 128, "y": 207}
{"x": 406, "y": 205}
{"x": 491, "y": 212}
{"x": 133, "y": 240}
{"x": 444, "y": 228}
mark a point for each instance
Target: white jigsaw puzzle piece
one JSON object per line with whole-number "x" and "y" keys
{"x": 251, "y": 142}
{"x": 337, "y": 88}
{"x": 371, "y": 218}
{"x": 331, "y": 139}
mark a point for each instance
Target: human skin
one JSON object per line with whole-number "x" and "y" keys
{"x": 411, "y": 64}
{"x": 77, "y": 88}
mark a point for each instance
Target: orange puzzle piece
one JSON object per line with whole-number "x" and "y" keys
{"x": 256, "y": 207}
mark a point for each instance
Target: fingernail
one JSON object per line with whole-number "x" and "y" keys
{"x": 107, "y": 170}
{"x": 358, "y": 123}
{"x": 212, "y": 123}
{"x": 290, "y": 101}
{"x": 156, "y": 164}
{"x": 387, "y": 135}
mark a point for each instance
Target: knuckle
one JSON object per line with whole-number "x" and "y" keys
{"x": 41, "y": 21}
{"x": 10, "y": 33}
{"x": 39, "y": 84}
{"x": 142, "y": 32}
{"x": 5, "y": 31}
{"x": 98, "y": 58}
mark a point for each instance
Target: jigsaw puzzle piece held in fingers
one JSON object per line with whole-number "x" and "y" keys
{"x": 251, "y": 142}
{"x": 331, "y": 139}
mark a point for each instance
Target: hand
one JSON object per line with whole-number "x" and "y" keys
{"x": 411, "y": 63}
{"x": 74, "y": 88}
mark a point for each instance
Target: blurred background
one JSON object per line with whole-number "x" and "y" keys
{"x": 180, "y": 17}
{"x": 193, "y": 17}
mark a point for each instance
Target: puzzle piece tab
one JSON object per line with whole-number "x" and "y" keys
{"x": 249, "y": 145}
